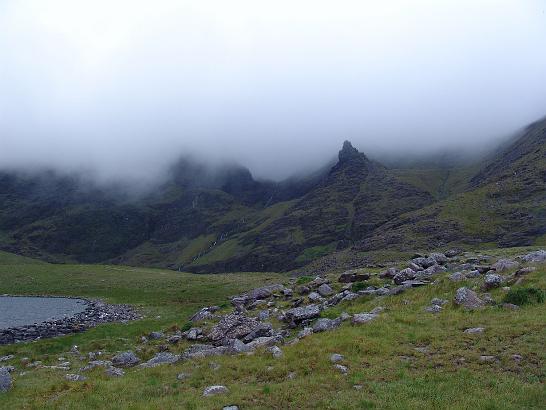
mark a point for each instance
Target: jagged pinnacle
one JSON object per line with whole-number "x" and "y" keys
{"x": 347, "y": 152}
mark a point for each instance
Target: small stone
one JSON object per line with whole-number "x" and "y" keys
{"x": 232, "y": 407}
{"x": 291, "y": 376}
{"x": 433, "y": 309}
{"x": 214, "y": 390}
{"x": 314, "y": 297}
{"x": 6, "y": 358}
{"x": 510, "y": 306}
{"x": 182, "y": 376}
{"x": 438, "y": 302}
{"x": 474, "y": 330}
{"x": 342, "y": 369}
{"x": 517, "y": 357}
{"x": 114, "y": 372}
{"x": 156, "y": 335}
{"x": 334, "y": 358}
{"x": 487, "y": 359}
{"x": 306, "y": 331}
{"x": 360, "y": 318}
{"x": 457, "y": 277}
{"x": 75, "y": 378}
{"x": 358, "y": 387}
{"x": 423, "y": 349}
{"x": 161, "y": 358}
{"x": 276, "y": 352}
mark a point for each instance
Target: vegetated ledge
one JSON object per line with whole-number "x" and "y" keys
{"x": 96, "y": 313}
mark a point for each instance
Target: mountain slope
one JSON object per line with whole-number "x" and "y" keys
{"x": 505, "y": 204}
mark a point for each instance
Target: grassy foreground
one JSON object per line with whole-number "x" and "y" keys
{"x": 445, "y": 371}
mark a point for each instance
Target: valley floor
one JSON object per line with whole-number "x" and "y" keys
{"x": 407, "y": 358}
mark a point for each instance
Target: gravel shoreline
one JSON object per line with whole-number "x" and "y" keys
{"x": 96, "y": 312}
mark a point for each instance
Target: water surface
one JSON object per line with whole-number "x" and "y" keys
{"x": 27, "y": 310}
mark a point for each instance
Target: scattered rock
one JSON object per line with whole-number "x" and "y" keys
{"x": 324, "y": 324}
{"x": 537, "y": 256}
{"x": 439, "y": 258}
{"x": 504, "y": 264}
{"x": 125, "y": 359}
{"x": 360, "y": 318}
{"x": 438, "y": 302}
{"x": 474, "y": 330}
{"x": 75, "y": 378}
{"x": 404, "y": 275}
{"x": 114, "y": 372}
{"x": 335, "y": 358}
{"x": 214, "y": 390}
{"x": 488, "y": 359}
{"x": 161, "y": 358}
{"x": 6, "y": 358}
{"x": 232, "y": 407}
{"x": 517, "y": 357}
{"x": 238, "y": 326}
{"x": 353, "y": 276}
{"x": 510, "y": 306}
{"x": 473, "y": 274}
{"x": 342, "y": 369}
{"x": 5, "y": 380}
{"x": 389, "y": 273}
{"x": 468, "y": 299}
{"x": 299, "y": 314}
{"x": 325, "y": 290}
{"x": 156, "y": 335}
{"x": 314, "y": 297}
{"x": 306, "y": 331}
{"x": 492, "y": 280}
{"x": 205, "y": 313}
{"x": 433, "y": 309}
{"x": 182, "y": 376}
{"x": 276, "y": 352}
{"x": 457, "y": 277}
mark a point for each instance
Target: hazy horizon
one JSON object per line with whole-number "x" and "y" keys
{"x": 124, "y": 88}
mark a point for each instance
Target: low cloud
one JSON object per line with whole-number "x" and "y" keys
{"x": 123, "y": 88}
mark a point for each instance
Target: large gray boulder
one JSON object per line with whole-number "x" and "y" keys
{"x": 125, "y": 359}
{"x": 424, "y": 262}
{"x": 239, "y": 326}
{"x": 302, "y": 313}
{"x": 468, "y": 299}
{"x": 439, "y": 258}
{"x": 5, "y": 380}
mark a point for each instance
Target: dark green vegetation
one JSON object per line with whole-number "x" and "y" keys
{"x": 407, "y": 358}
{"x": 524, "y": 296}
{"x": 216, "y": 220}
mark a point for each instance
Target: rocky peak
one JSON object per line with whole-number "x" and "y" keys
{"x": 348, "y": 153}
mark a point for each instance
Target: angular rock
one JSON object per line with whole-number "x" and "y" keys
{"x": 404, "y": 275}
{"x": 473, "y": 274}
{"x": 504, "y": 264}
{"x": 324, "y": 324}
{"x": 353, "y": 276}
{"x": 264, "y": 341}
{"x": 214, "y": 390}
{"x": 433, "y": 309}
{"x": 275, "y": 351}
{"x": 537, "y": 256}
{"x": 5, "y": 380}
{"x": 114, "y": 372}
{"x": 389, "y": 273}
{"x": 492, "y": 280}
{"x": 306, "y": 331}
{"x": 438, "y": 302}
{"x": 239, "y": 326}
{"x": 474, "y": 330}
{"x": 75, "y": 378}
{"x": 424, "y": 262}
{"x": 314, "y": 297}
{"x": 194, "y": 333}
{"x": 342, "y": 369}
{"x": 336, "y": 357}
{"x": 467, "y": 298}
{"x": 302, "y": 313}
{"x": 360, "y": 318}
{"x": 156, "y": 335}
{"x": 125, "y": 359}
{"x": 204, "y": 314}
{"x": 161, "y": 358}
{"x": 457, "y": 277}
{"x": 325, "y": 290}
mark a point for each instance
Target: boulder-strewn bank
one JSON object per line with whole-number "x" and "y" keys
{"x": 96, "y": 312}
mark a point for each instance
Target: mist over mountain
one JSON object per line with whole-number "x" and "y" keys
{"x": 121, "y": 90}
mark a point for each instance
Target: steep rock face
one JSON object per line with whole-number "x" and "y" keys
{"x": 354, "y": 198}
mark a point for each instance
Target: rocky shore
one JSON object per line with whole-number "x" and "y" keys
{"x": 96, "y": 312}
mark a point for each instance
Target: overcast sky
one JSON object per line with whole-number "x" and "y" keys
{"x": 126, "y": 86}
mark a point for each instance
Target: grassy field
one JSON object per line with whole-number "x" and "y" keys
{"x": 381, "y": 355}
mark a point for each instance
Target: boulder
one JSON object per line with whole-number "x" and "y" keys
{"x": 537, "y": 256}
{"x": 457, "y": 277}
{"x": 353, "y": 276}
{"x": 156, "y": 335}
{"x": 472, "y": 274}
{"x": 474, "y": 330}
{"x": 5, "y": 380}
{"x": 468, "y": 299}
{"x": 193, "y": 333}
{"x": 492, "y": 280}
{"x": 214, "y": 390}
{"x": 202, "y": 350}
{"x": 238, "y": 326}
{"x": 438, "y": 302}
{"x": 325, "y": 290}
{"x": 451, "y": 253}
{"x": 161, "y": 358}
{"x": 360, "y": 318}
{"x": 299, "y": 314}
{"x": 314, "y": 297}
{"x": 504, "y": 264}
{"x": 389, "y": 273}
{"x": 404, "y": 275}
{"x": 306, "y": 331}
{"x": 433, "y": 309}
{"x": 275, "y": 351}
{"x": 424, "y": 262}
{"x": 125, "y": 359}
{"x": 324, "y": 324}
{"x": 439, "y": 258}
